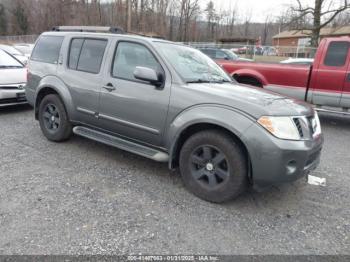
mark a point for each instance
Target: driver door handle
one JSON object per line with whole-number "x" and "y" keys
{"x": 109, "y": 87}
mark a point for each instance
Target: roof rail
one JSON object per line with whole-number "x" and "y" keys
{"x": 145, "y": 35}
{"x": 101, "y": 29}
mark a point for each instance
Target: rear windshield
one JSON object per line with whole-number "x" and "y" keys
{"x": 47, "y": 49}
{"x": 7, "y": 61}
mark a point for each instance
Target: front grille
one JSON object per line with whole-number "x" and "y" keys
{"x": 299, "y": 127}
{"x": 9, "y": 87}
{"x": 12, "y": 87}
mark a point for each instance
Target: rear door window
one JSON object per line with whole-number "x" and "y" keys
{"x": 47, "y": 49}
{"x": 91, "y": 55}
{"x": 74, "y": 53}
{"x": 86, "y": 54}
{"x": 337, "y": 53}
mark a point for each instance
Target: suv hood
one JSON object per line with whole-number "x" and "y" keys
{"x": 251, "y": 100}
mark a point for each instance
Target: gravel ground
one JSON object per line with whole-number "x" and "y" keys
{"x": 81, "y": 197}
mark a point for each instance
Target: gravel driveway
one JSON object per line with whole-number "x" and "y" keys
{"x": 82, "y": 197}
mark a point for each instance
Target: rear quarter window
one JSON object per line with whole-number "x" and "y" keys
{"x": 74, "y": 52}
{"x": 47, "y": 49}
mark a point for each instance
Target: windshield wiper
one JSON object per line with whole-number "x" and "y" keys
{"x": 222, "y": 81}
{"x": 200, "y": 81}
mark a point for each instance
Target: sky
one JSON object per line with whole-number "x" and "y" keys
{"x": 258, "y": 8}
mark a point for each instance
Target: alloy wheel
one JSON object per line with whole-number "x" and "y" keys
{"x": 51, "y": 117}
{"x": 209, "y": 166}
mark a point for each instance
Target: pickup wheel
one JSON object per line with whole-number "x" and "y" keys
{"x": 53, "y": 119}
{"x": 213, "y": 166}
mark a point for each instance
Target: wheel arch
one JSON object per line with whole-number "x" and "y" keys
{"x": 210, "y": 123}
{"x": 252, "y": 74}
{"x": 52, "y": 85}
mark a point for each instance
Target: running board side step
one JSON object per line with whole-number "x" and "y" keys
{"x": 121, "y": 144}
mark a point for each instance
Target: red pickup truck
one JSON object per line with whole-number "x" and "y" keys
{"x": 325, "y": 83}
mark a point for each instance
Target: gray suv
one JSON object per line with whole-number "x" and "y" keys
{"x": 170, "y": 103}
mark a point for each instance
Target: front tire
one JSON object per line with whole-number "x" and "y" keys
{"x": 53, "y": 119}
{"x": 213, "y": 166}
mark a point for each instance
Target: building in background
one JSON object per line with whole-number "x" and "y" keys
{"x": 296, "y": 43}
{"x": 302, "y": 38}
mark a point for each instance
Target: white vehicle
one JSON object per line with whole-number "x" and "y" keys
{"x": 14, "y": 52}
{"x": 13, "y": 77}
{"x": 298, "y": 61}
{"x": 25, "y": 49}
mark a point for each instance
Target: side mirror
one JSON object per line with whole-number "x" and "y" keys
{"x": 148, "y": 75}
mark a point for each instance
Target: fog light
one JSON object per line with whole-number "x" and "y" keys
{"x": 291, "y": 167}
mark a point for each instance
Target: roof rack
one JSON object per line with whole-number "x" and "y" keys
{"x": 93, "y": 29}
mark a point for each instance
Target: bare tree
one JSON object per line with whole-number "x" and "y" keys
{"x": 322, "y": 13}
{"x": 246, "y": 23}
{"x": 266, "y": 30}
{"x": 189, "y": 9}
{"x": 3, "y": 20}
{"x": 232, "y": 17}
{"x": 128, "y": 15}
{"x": 172, "y": 15}
{"x": 211, "y": 16}
{"x": 181, "y": 20}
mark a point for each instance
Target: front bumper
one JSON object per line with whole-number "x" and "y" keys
{"x": 275, "y": 161}
{"x": 13, "y": 96}
{"x": 30, "y": 95}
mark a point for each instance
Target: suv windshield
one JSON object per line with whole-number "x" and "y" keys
{"x": 192, "y": 65}
{"x": 7, "y": 61}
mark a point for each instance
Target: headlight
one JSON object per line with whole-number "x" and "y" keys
{"x": 316, "y": 125}
{"x": 280, "y": 126}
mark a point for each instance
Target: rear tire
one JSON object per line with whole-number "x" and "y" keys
{"x": 53, "y": 119}
{"x": 213, "y": 166}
